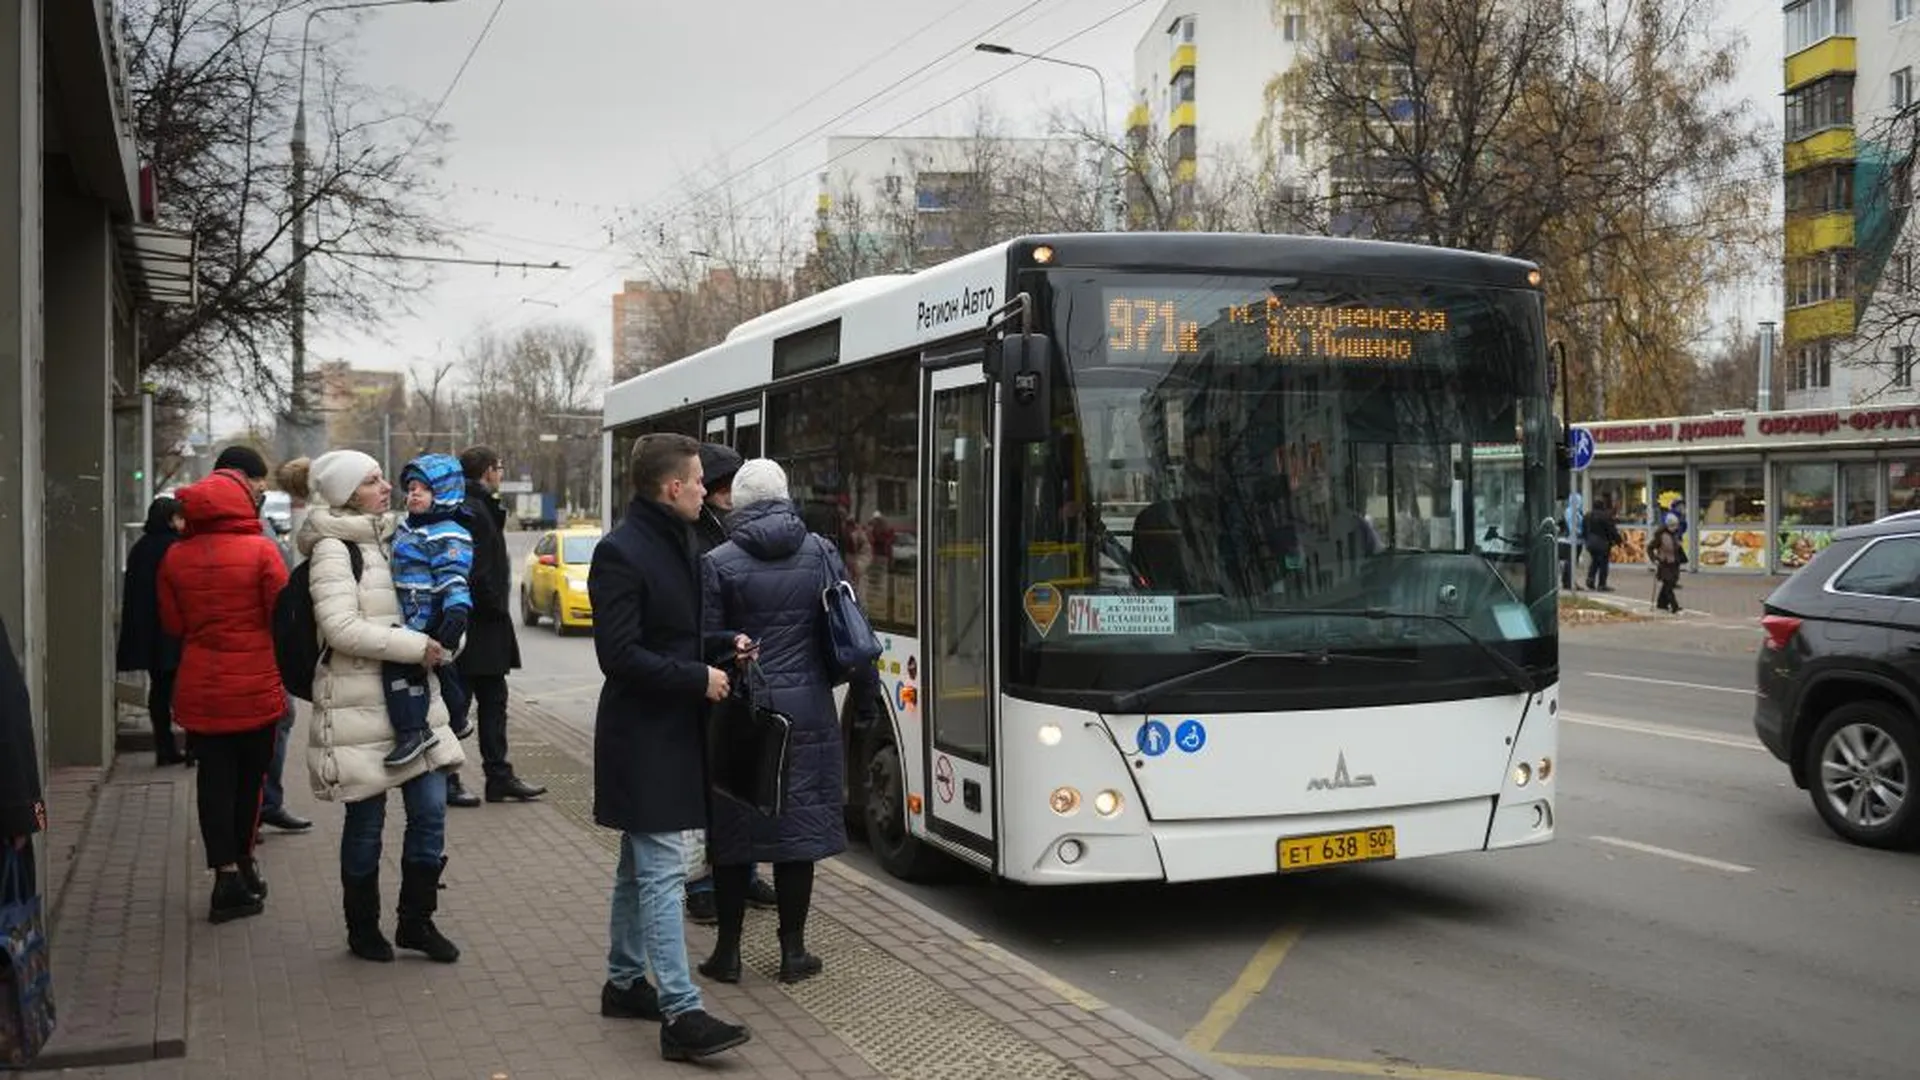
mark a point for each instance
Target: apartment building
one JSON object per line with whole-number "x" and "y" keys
{"x": 1850, "y": 134}
{"x": 1200, "y": 82}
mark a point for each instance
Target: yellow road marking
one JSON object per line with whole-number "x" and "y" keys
{"x": 1252, "y": 982}
{"x": 1354, "y": 1068}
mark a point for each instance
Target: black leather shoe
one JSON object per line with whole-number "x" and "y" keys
{"x": 250, "y": 875}
{"x": 761, "y": 895}
{"x": 702, "y": 908}
{"x": 457, "y": 793}
{"x": 637, "y": 1002}
{"x": 231, "y": 900}
{"x": 285, "y": 820}
{"x": 694, "y": 1035}
{"x": 512, "y": 788}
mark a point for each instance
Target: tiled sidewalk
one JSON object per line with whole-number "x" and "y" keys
{"x": 906, "y": 993}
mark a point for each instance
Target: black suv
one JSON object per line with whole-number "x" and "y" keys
{"x": 1839, "y": 683}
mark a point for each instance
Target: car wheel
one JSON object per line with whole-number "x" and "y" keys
{"x": 559, "y": 624}
{"x": 898, "y": 852}
{"x": 528, "y": 616}
{"x": 1862, "y": 761}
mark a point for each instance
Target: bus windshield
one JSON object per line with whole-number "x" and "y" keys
{"x": 1304, "y": 464}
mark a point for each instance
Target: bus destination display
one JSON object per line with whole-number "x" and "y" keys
{"x": 1169, "y": 324}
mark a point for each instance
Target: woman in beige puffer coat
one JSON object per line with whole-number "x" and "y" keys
{"x": 348, "y": 740}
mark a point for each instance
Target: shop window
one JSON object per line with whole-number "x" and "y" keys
{"x": 1888, "y": 568}
{"x": 1733, "y": 517}
{"x": 849, "y": 443}
{"x": 1860, "y": 487}
{"x": 1903, "y": 486}
{"x": 1806, "y": 494}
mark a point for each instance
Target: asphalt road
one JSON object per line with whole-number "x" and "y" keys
{"x": 1694, "y": 918}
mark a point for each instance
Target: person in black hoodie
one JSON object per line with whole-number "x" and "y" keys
{"x": 144, "y": 646}
{"x": 22, "y": 812}
{"x": 718, "y": 463}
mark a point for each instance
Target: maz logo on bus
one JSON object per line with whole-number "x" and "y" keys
{"x": 970, "y": 302}
{"x": 1340, "y": 778}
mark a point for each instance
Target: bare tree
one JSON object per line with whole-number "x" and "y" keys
{"x": 540, "y": 382}
{"x": 1873, "y": 277}
{"x": 215, "y": 85}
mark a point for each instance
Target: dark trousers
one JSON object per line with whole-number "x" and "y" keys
{"x": 232, "y": 771}
{"x": 274, "y": 794}
{"x": 160, "y": 711}
{"x": 490, "y": 699}
{"x": 1665, "y": 600}
{"x": 1599, "y": 560}
{"x": 405, "y": 686}
{"x": 792, "y": 886}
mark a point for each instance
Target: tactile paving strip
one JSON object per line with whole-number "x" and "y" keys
{"x": 905, "y": 1025}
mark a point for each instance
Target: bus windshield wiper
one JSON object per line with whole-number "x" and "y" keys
{"x": 1521, "y": 678}
{"x": 1235, "y": 654}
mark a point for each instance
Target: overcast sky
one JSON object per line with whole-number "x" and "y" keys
{"x": 606, "y": 106}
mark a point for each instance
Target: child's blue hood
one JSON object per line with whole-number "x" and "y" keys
{"x": 442, "y": 475}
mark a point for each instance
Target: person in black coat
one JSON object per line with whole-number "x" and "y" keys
{"x": 144, "y": 646}
{"x": 22, "y": 810}
{"x": 649, "y": 739}
{"x": 767, "y": 582}
{"x": 492, "y": 649}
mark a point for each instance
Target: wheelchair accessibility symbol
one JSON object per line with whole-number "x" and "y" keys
{"x": 1190, "y": 736}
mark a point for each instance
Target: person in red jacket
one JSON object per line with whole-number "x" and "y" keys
{"x": 217, "y": 590}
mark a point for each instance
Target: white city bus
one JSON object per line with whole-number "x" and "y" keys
{"x": 1194, "y": 556}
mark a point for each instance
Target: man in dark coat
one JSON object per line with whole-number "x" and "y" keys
{"x": 492, "y": 650}
{"x": 22, "y": 812}
{"x": 144, "y": 645}
{"x": 649, "y": 745}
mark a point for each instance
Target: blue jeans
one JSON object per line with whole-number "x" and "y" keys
{"x": 645, "y": 930}
{"x": 273, "y": 795}
{"x": 425, "y": 797}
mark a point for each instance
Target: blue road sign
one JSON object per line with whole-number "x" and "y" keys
{"x": 1190, "y": 736}
{"x": 1154, "y": 738}
{"x": 1582, "y": 448}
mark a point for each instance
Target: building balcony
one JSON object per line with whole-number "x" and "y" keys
{"x": 1181, "y": 61}
{"x": 1835, "y": 55}
{"x": 1139, "y": 118}
{"x": 1830, "y": 318}
{"x": 1181, "y": 117}
{"x": 1821, "y": 148}
{"x": 1819, "y": 232}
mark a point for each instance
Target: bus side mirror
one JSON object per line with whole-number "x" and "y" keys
{"x": 1025, "y": 371}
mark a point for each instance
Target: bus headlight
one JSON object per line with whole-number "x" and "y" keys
{"x": 1064, "y": 800}
{"x": 1049, "y": 734}
{"x": 1522, "y": 773}
{"x": 1070, "y": 851}
{"x": 1545, "y": 769}
{"x": 1107, "y": 803}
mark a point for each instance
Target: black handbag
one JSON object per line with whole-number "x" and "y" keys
{"x": 747, "y": 743}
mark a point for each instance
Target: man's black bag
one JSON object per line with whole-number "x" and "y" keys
{"x": 747, "y": 746}
{"x": 296, "y": 632}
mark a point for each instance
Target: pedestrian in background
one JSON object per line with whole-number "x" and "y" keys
{"x": 492, "y": 648}
{"x": 217, "y": 589}
{"x": 1602, "y": 534}
{"x": 649, "y": 740}
{"x": 1666, "y": 554}
{"x": 349, "y": 738}
{"x": 718, "y": 463}
{"x": 144, "y": 644}
{"x": 1575, "y": 524}
{"x": 23, "y": 811}
{"x": 766, "y": 583}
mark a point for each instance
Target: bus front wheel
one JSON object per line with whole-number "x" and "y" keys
{"x": 898, "y": 852}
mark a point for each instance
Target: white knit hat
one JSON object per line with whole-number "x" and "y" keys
{"x": 760, "y": 480}
{"x": 337, "y": 474}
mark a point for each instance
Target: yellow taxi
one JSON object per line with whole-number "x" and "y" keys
{"x": 555, "y": 582}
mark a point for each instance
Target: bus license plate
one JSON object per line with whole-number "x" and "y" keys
{"x": 1332, "y": 849}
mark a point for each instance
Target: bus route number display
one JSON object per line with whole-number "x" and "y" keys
{"x": 1145, "y": 324}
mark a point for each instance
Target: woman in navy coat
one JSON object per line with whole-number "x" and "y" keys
{"x": 765, "y": 582}
{"x": 144, "y": 645}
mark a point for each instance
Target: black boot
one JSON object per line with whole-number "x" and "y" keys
{"x": 250, "y": 873}
{"x": 724, "y": 964}
{"x": 419, "y": 899}
{"x": 457, "y": 793}
{"x": 231, "y": 898}
{"x": 361, "y": 898}
{"x": 694, "y": 1035}
{"x": 637, "y": 1002}
{"x": 796, "y": 963}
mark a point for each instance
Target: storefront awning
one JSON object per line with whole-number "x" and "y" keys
{"x": 161, "y": 264}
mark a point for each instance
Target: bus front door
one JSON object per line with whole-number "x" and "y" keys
{"x": 957, "y": 705}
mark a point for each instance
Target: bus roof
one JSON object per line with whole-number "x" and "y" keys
{"x": 893, "y": 313}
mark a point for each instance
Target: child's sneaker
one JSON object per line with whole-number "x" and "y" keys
{"x": 409, "y": 746}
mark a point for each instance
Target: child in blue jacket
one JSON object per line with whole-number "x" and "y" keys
{"x": 432, "y": 560}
